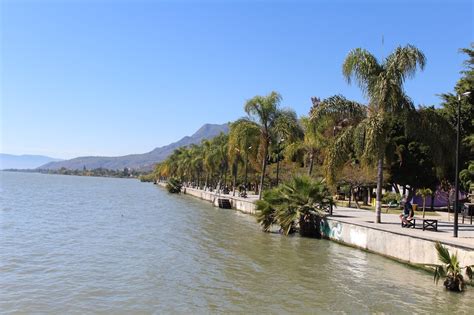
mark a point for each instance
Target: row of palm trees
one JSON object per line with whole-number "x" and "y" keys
{"x": 337, "y": 133}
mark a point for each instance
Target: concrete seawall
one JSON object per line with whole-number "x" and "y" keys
{"x": 246, "y": 205}
{"x": 402, "y": 247}
{"x": 399, "y": 244}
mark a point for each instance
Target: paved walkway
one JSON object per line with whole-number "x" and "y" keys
{"x": 391, "y": 223}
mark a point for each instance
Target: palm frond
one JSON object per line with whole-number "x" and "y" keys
{"x": 440, "y": 272}
{"x": 443, "y": 253}
{"x": 361, "y": 66}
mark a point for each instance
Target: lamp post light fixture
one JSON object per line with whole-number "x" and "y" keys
{"x": 456, "y": 179}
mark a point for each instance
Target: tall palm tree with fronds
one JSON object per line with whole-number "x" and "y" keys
{"x": 382, "y": 83}
{"x": 307, "y": 147}
{"x": 286, "y": 130}
{"x": 264, "y": 111}
{"x": 244, "y": 136}
{"x": 424, "y": 193}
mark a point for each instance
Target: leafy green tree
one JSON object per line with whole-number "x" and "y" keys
{"x": 449, "y": 110}
{"x": 410, "y": 162}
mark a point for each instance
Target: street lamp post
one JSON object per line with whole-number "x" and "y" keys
{"x": 456, "y": 179}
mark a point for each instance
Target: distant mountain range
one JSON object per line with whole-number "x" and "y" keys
{"x": 10, "y": 161}
{"x": 143, "y": 161}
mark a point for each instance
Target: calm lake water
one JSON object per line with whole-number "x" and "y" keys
{"x": 99, "y": 245}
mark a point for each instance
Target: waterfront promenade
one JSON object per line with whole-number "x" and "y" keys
{"x": 391, "y": 223}
{"x": 356, "y": 227}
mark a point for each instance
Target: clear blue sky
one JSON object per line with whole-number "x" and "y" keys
{"x": 118, "y": 77}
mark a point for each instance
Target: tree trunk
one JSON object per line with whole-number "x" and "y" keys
{"x": 225, "y": 175}
{"x": 395, "y": 187}
{"x": 350, "y": 196}
{"x": 378, "y": 200}
{"x": 355, "y": 198}
{"x": 278, "y": 170}
{"x": 310, "y": 226}
{"x": 432, "y": 202}
{"x": 311, "y": 163}
{"x": 365, "y": 196}
{"x": 235, "y": 177}
{"x": 264, "y": 167}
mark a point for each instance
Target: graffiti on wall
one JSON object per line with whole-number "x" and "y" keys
{"x": 331, "y": 230}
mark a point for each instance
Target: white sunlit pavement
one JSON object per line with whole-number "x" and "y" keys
{"x": 391, "y": 223}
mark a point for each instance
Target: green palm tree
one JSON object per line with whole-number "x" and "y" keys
{"x": 286, "y": 130}
{"x": 296, "y": 205}
{"x": 450, "y": 270}
{"x": 309, "y": 147}
{"x": 382, "y": 83}
{"x": 244, "y": 137}
{"x": 337, "y": 119}
{"x": 424, "y": 193}
{"x": 264, "y": 111}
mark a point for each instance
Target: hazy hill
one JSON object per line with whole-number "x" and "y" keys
{"x": 25, "y": 161}
{"x": 143, "y": 161}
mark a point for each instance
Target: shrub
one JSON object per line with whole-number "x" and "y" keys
{"x": 174, "y": 186}
{"x": 391, "y": 197}
{"x": 297, "y": 205}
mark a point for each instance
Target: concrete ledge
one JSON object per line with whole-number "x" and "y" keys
{"x": 406, "y": 248}
{"x": 246, "y": 205}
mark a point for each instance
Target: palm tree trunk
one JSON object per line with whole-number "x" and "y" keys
{"x": 378, "y": 200}
{"x": 278, "y": 171}
{"x": 236, "y": 170}
{"x": 311, "y": 163}
{"x": 350, "y": 196}
{"x": 264, "y": 167}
